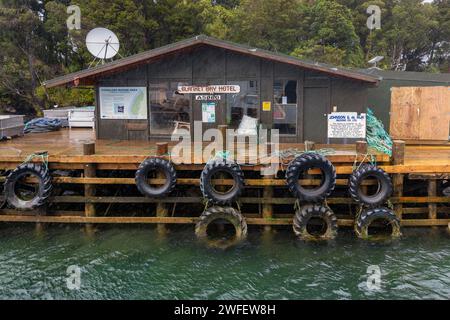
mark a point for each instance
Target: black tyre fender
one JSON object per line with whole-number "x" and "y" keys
{"x": 151, "y": 164}
{"x": 221, "y": 165}
{"x": 304, "y": 214}
{"x": 384, "y": 182}
{"x": 2, "y": 196}
{"x": 223, "y": 213}
{"x": 44, "y": 190}
{"x": 368, "y": 216}
{"x": 303, "y": 163}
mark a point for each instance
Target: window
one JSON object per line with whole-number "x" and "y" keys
{"x": 285, "y": 106}
{"x": 169, "y": 110}
{"x": 244, "y": 103}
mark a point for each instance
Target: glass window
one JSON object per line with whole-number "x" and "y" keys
{"x": 285, "y": 106}
{"x": 244, "y": 103}
{"x": 169, "y": 110}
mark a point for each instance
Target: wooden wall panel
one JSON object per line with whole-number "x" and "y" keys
{"x": 405, "y": 109}
{"x": 434, "y": 113}
{"x": 420, "y": 113}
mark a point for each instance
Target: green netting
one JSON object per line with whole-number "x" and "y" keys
{"x": 376, "y": 135}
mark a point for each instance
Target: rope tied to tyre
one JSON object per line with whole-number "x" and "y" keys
{"x": 227, "y": 214}
{"x": 367, "y": 216}
{"x": 304, "y": 163}
{"x": 221, "y": 166}
{"x": 21, "y": 195}
{"x": 303, "y": 220}
{"x": 155, "y": 164}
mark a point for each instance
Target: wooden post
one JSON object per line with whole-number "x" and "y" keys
{"x": 40, "y": 227}
{"x": 162, "y": 148}
{"x": 310, "y": 145}
{"x": 398, "y": 158}
{"x": 267, "y": 208}
{"x": 161, "y": 208}
{"x": 432, "y": 207}
{"x": 361, "y": 147}
{"x": 89, "y": 189}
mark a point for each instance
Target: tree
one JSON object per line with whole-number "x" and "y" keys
{"x": 329, "y": 35}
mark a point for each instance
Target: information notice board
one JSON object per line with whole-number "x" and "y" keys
{"x": 123, "y": 102}
{"x": 346, "y": 125}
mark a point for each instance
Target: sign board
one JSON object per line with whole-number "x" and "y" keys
{"x": 266, "y": 105}
{"x": 209, "y": 112}
{"x": 346, "y": 125}
{"x": 206, "y": 97}
{"x": 218, "y": 88}
{"x": 123, "y": 102}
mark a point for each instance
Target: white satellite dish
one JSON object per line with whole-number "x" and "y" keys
{"x": 103, "y": 44}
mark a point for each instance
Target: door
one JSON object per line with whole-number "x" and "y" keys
{"x": 316, "y": 105}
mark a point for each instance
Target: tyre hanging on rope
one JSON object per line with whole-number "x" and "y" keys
{"x": 383, "y": 215}
{"x": 384, "y": 185}
{"x": 26, "y": 196}
{"x": 153, "y": 166}
{"x": 301, "y": 165}
{"x": 227, "y": 168}
{"x": 315, "y": 222}
{"x": 223, "y": 215}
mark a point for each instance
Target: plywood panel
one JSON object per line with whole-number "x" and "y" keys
{"x": 434, "y": 113}
{"x": 405, "y": 111}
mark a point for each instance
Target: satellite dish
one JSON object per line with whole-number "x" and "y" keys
{"x": 375, "y": 60}
{"x": 103, "y": 44}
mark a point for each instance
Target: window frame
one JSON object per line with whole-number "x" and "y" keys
{"x": 284, "y": 80}
{"x": 167, "y": 81}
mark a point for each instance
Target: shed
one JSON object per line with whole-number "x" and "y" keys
{"x": 379, "y": 98}
{"x": 151, "y": 94}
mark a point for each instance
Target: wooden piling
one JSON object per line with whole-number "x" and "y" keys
{"x": 89, "y": 189}
{"x": 398, "y": 158}
{"x": 267, "y": 208}
{"x": 162, "y": 148}
{"x": 432, "y": 192}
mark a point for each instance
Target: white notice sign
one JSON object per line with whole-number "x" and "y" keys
{"x": 123, "y": 102}
{"x": 346, "y": 125}
{"x": 209, "y": 112}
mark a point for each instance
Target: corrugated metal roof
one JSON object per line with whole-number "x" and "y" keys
{"x": 88, "y": 76}
{"x": 409, "y": 75}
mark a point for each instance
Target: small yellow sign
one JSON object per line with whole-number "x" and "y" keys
{"x": 266, "y": 105}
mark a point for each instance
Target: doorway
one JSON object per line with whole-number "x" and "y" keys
{"x": 316, "y": 108}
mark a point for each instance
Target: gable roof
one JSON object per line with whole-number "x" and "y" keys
{"x": 88, "y": 76}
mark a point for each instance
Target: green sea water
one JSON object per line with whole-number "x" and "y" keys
{"x": 136, "y": 263}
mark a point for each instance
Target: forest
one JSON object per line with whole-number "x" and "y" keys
{"x": 36, "y": 44}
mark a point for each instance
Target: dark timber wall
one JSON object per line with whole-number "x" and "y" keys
{"x": 317, "y": 92}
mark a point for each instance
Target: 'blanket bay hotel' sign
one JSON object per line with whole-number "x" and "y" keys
{"x": 211, "y": 89}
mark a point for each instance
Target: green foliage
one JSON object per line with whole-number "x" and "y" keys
{"x": 329, "y": 35}
{"x": 35, "y": 44}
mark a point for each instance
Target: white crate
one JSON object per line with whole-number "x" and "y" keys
{"x": 12, "y": 131}
{"x": 82, "y": 117}
{"x": 9, "y": 121}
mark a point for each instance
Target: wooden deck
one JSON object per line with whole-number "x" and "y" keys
{"x": 421, "y": 165}
{"x": 66, "y": 146}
